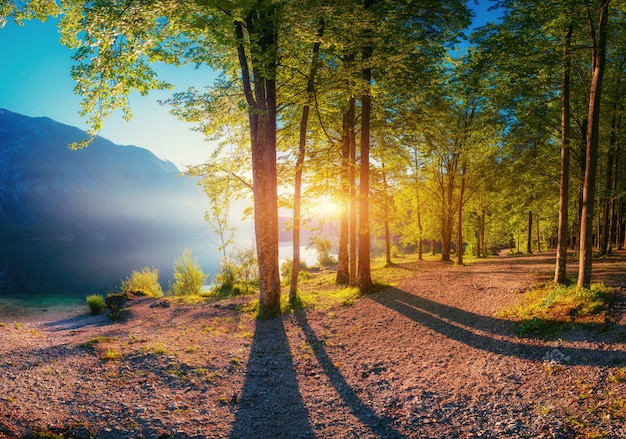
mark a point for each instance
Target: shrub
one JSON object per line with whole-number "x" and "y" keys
{"x": 247, "y": 265}
{"x": 145, "y": 281}
{"x": 227, "y": 275}
{"x": 188, "y": 277}
{"x": 285, "y": 270}
{"x": 96, "y": 303}
{"x": 323, "y": 246}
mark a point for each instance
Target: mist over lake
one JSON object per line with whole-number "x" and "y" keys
{"x": 78, "y": 222}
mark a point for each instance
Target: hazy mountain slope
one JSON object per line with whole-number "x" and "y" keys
{"x": 80, "y": 220}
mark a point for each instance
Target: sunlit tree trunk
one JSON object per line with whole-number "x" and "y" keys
{"x": 560, "y": 271}
{"x": 347, "y": 166}
{"x": 598, "y": 63}
{"x": 259, "y": 87}
{"x": 386, "y": 217}
{"x": 364, "y": 279}
{"x": 529, "y": 244}
{"x": 304, "y": 121}
{"x": 353, "y": 202}
{"x": 459, "y": 232}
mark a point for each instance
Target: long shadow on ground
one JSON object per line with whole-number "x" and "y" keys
{"x": 270, "y": 405}
{"x": 473, "y": 330}
{"x": 380, "y": 426}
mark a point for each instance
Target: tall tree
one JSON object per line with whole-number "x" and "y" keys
{"x": 304, "y": 121}
{"x": 598, "y": 19}
{"x": 364, "y": 276}
{"x": 117, "y": 43}
{"x": 560, "y": 273}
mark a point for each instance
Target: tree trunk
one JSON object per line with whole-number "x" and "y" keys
{"x": 538, "y": 236}
{"x": 586, "y": 227}
{"x": 529, "y": 244}
{"x": 347, "y": 166}
{"x": 420, "y": 231}
{"x": 304, "y": 121}
{"x": 386, "y": 217}
{"x": 260, "y": 91}
{"x": 560, "y": 271}
{"x": 353, "y": 200}
{"x": 459, "y": 233}
{"x": 448, "y": 212}
{"x": 364, "y": 279}
{"x": 608, "y": 205}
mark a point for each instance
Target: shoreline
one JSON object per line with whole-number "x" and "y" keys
{"x": 41, "y": 310}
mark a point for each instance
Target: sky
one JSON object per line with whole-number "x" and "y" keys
{"x": 35, "y": 81}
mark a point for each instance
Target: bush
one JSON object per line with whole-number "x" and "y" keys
{"x": 188, "y": 277}
{"x": 146, "y": 281}
{"x": 226, "y": 276}
{"x": 285, "y": 270}
{"x": 96, "y": 303}
{"x": 323, "y": 246}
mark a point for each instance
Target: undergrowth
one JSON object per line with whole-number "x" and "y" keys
{"x": 548, "y": 309}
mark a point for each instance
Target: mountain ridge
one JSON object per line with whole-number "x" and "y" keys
{"x": 96, "y": 206}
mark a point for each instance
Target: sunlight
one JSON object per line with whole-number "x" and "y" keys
{"x": 327, "y": 207}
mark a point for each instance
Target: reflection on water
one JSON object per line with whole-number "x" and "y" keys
{"x": 41, "y": 308}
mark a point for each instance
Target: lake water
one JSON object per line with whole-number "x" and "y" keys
{"x": 41, "y": 308}
{"x": 54, "y": 306}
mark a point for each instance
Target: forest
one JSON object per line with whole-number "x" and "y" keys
{"x": 415, "y": 126}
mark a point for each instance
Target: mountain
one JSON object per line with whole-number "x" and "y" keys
{"x": 79, "y": 221}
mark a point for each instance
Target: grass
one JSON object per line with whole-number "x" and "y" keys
{"x": 96, "y": 303}
{"x": 548, "y": 309}
{"x": 110, "y": 354}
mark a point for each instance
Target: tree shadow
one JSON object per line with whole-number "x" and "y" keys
{"x": 480, "y": 332}
{"x": 381, "y": 426}
{"x": 270, "y": 400}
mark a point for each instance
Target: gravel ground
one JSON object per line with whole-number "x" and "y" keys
{"x": 425, "y": 358}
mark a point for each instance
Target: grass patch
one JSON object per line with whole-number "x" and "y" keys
{"x": 97, "y": 340}
{"x": 110, "y": 355}
{"x": 96, "y": 303}
{"x": 548, "y": 309}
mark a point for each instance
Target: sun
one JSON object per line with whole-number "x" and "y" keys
{"x": 327, "y": 208}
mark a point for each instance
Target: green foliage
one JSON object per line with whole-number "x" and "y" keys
{"x": 285, "y": 271}
{"x": 227, "y": 275}
{"x": 96, "y": 303}
{"x": 145, "y": 281}
{"x": 188, "y": 276}
{"x": 323, "y": 246}
{"x": 20, "y": 11}
{"x": 548, "y": 309}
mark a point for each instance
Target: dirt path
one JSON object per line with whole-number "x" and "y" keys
{"x": 424, "y": 359}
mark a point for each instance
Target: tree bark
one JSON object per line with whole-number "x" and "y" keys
{"x": 259, "y": 87}
{"x": 598, "y": 63}
{"x": 386, "y": 217}
{"x": 560, "y": 271}
{"x": 304, "y": 121}
{"x": 353, "y": 200}
{"x": 364, "y": 278}
{"x": 459, "y": 232}
{"x": 347, "y": 166}
{"x": 529, "y": 244}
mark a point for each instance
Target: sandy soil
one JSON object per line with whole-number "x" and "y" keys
{"x": 423, "y": 359}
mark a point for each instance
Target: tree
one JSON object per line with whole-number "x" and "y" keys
{"x": 310, "y": 89}
{"x": 560, "y": 273}
{"x": 598, "y": 36}
{"x": 20, "y": 11}
{"x": 118, "y": 42}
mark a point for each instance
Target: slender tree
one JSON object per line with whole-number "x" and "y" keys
{"x": 560, "y": 273}
{"x": 598, "y": 33}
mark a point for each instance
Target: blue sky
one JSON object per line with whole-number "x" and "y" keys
{"x": 35, "y": 81}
